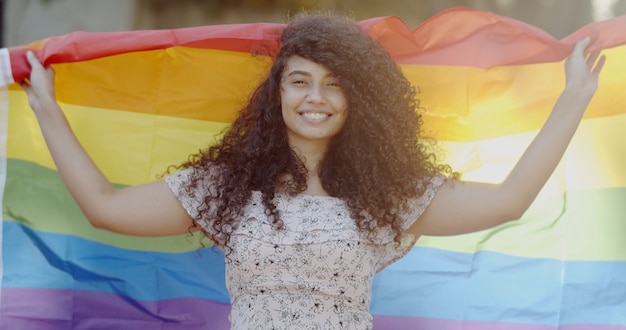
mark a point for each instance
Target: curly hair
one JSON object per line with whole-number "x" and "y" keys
{"x": 374, "y": 163}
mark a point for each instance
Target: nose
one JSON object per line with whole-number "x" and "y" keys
{"x": 316, "y": 95}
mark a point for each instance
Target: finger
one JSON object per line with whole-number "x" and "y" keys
{"x": 592, "y": 58}
{"x": 599, "y": 65}
{"x": 25, "y": 84}
{"x": 578, "y": 53}
{"x": 32, "y": 59}
{"x": 581, "y": 45}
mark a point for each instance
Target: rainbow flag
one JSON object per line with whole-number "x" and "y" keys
{"x": 142, "y": 100}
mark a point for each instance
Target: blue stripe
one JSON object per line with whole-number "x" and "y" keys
{"x": 493, "y": 286}
{"x": 431, "y": 283}
{"x": 34, "y": 259}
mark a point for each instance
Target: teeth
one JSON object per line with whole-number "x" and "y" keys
{"x": 314, "y": 115}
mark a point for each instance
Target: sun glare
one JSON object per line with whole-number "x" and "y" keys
{"x": 603, "y": 9}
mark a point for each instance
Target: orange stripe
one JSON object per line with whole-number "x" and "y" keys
{"x": 181, "y": 82}
{"x": 461, "y": 103}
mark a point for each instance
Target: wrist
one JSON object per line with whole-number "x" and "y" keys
{"x": 47, "y": 110}
{"x": 581, "y": 90}
{"x": 578, "y": 95}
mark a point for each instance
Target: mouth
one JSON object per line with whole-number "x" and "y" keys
{"x": 314, "y": 116}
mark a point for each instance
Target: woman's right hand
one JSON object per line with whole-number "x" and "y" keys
{"x": 39, "y": 87}
{"x": 150, "y": 209}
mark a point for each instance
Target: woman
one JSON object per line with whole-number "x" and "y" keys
{"x": 320, "y": 182}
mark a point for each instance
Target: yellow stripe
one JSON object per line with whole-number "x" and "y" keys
{"x": 465, "y": 103}
{"x": 594, "y": 160}
{"x": 133, "y": 148}
{"x": 130, "y": 148}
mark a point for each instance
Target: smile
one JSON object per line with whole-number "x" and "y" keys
{"x": 314, "y": 115}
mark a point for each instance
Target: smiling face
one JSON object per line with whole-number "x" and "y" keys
{"x": 314, "y": 106}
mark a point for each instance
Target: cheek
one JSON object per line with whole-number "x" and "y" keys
{"x": 288, "y": 97}
{"x": 342, "y": 105}
{"x": 339, "y": 101}
{"x": 284, "y": 100}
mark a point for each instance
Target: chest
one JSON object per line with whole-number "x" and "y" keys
{"x": 319, "y": 248}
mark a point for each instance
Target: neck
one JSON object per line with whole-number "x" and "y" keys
{"x": 311, "y": 155}
{"x": 311, "y": 152}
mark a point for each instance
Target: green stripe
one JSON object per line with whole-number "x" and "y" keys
{"x": 580, "y": 225}
{"x": 36, "y": 196}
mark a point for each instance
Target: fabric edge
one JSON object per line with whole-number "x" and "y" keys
{"x": 6, "y": 74}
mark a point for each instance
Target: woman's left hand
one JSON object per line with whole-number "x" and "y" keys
{"x": 459, "y": 207}
{"x": 582, "y": 69}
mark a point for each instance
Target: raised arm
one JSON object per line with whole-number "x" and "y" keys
{"x": 146, "y": 210}
{"x": 462, "y": 207}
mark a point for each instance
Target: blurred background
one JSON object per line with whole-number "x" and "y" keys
{"x": 24, "y": 21}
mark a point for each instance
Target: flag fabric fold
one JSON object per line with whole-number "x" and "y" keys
{"x": 140, "y": 101}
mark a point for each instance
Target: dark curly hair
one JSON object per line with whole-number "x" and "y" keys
{"x": 374, "y": 163}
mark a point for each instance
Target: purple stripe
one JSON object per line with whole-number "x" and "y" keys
{"x": 384, "y": 322}
{"x": 49, "y": 309}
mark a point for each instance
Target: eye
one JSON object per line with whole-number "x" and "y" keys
{"x": 333, "y": 83}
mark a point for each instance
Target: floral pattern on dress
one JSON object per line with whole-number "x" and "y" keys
{"x": 316, "y": 273}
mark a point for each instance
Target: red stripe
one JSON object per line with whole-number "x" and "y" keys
{"x": 465, "y": 37}
{"x": 457, "y": 37}
{"x": 83, "y": 46}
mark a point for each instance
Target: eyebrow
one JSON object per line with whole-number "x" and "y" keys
{"x": 308, "y": 74}
{"x": 295, "y": 72}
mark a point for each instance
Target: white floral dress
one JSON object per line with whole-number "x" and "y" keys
{"x": 316, "y": 273}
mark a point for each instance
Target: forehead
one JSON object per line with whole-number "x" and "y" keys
{"x": 301, "y": 65}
